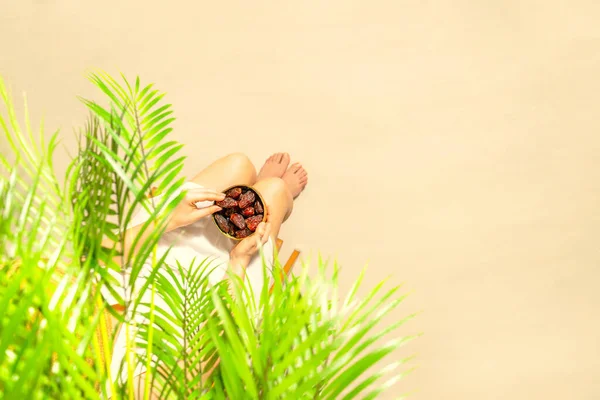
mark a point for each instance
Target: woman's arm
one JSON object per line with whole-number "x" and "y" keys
{"x": 242, "y": 253}
{"x": 184, "y": 214}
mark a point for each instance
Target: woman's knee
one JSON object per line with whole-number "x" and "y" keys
{"x": 274, "y": 187}
{"x": 240, "y": 163}
{"x": 278, "y": 198}
{"x": 239, "y": 160}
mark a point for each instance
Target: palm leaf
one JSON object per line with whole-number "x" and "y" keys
{"x": 61, "y": 253}
{"x": 40, "y": 326}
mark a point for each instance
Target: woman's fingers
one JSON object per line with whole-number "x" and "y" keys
{"x": 266, "y": 234}
{"x": 204, "y": 212}
{"x": 262, "y": 233}
{"x": 196, "y": 195}
{"x": 255, "y": 241}
{"x": 203, "y": 190}
{"x": 249, "y": 246}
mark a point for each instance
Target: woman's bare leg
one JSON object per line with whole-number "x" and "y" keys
{"x": 237, "y": 169}
{"x": 279, "y": 194}
{"x": 275, "y": 166}
{"x": 233, "y": 169}
{"x": 277, "y": 183}
{"x": 279, "y": 202}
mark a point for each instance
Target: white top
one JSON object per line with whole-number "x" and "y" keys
{"x": 201, "y": 240}
{"x": 194, "y": 243}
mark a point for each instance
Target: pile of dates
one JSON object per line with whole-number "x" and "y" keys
{"x": 241, "y": 212}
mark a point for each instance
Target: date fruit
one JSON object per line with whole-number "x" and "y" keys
{"x": 234, "y": 193}
{"x": 223, "y": 223}
{"x": 238, "y": 220}
{"x": 258, "y": 207}
{"x": 248, "y": 211}
{"x": 227, "y": 202}
{"x": 253, "y": 222}
{"x": 242, "y": 211}
{"x": 242, "y": 233}
{"x": 246, "y": 199}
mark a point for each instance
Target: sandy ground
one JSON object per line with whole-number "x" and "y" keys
{"x": 451, "y": 144}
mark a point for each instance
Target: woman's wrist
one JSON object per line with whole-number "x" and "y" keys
{"x": 238, "y": 262}
{"x": 170, "y": 226}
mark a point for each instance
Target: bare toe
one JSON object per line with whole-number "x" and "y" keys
{"x": 275, "y": 166}
{"x": 296, "y": 179}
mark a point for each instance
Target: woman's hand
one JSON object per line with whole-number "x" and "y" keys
{"x": 242, "y": 253}
{"x": 187, "y": 213}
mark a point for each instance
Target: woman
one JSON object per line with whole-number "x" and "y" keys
{"x": 190, "y": 235}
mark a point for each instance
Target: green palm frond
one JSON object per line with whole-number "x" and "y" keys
{"x": 181, "y": 351}
{"x": 117, "y": 163}
{"x": 143, "y": 128}
{"x": 29, "y": 161}
{"x": 125, "y": 142}
{"x": 61, "y": 257}
{"x": 291, "y": 342}
{"x": 46, "y": 304}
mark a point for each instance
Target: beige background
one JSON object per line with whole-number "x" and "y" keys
{"x": 451, "y": 144}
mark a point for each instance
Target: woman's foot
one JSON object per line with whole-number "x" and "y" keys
{"x": 296, "y": 179}
{"x": 275, "y": 166}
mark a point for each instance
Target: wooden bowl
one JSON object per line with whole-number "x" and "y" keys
{"x": 222, "y": 212}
